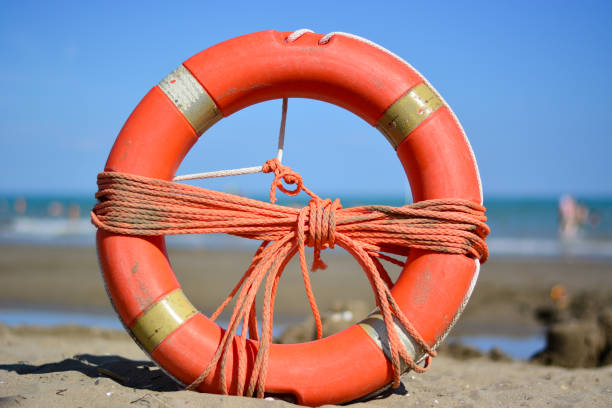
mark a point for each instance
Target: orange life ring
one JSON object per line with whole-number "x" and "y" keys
{"x": 341, "y": 69}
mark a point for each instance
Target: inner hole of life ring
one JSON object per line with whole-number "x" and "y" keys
{"x": 338, "y": 155}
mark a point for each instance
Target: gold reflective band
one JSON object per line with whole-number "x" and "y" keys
{"x": 408, "y": 112}
{"x": 191, "y": 99}
{"x": 162, "y": 318}
{"x": 374, "y": 326}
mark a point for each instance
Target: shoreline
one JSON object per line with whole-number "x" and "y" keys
{"x": 505, "y": 296}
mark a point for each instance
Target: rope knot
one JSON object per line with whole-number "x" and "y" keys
{"x": 282, "y": 173}
{"x": 321, "y": 229}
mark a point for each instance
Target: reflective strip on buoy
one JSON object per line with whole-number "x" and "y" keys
{"x": 162, "y": 318}
{"x": 408, "y": 112}
{"x": 191, "y": 99}
{"x": 374, "y": 326}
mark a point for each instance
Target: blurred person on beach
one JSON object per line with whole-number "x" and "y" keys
{"x": 20, "y": 205}
{"x": 74, "y": 212}
{"x": 572, "y": 217}
{"x": 55, "y": 209}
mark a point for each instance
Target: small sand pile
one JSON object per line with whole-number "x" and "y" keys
{"x": 579, "y": 331}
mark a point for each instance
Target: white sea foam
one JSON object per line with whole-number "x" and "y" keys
{"x": 546, "y": 247}
{"x": 51, "y": 226}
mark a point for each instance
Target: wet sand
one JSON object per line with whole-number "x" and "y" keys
{"x": 71, "y": 366}
{"x": 503, "y": 301}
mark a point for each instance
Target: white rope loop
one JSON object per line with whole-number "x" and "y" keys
{"x": 298, "y": 33}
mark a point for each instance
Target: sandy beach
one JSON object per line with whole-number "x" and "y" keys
{"x": 77, "y": 366}
{"x": 503, "y": 302}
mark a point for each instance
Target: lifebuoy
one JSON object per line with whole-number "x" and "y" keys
{"x": 341, "y": 69}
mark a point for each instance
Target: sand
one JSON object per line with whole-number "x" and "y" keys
{"x": 83, "y": 367}
{"x": 73, "y": 366}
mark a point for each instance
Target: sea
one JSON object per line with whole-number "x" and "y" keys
{"x": 520, "y": 227}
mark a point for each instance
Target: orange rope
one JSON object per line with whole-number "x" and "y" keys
{"x": 136, "y": 205}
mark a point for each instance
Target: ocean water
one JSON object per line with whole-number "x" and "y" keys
{"x": 521, "y": 227}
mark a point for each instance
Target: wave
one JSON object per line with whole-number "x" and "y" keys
{"x": 554, "y": 248}
{"x": 51, "y": 226}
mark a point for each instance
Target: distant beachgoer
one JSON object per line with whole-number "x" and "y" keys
{"x": 572, "y": 217}
{"x": 55, "y": 209}
{"x": 20, "y": 206}
{"x": 74, "y": 212}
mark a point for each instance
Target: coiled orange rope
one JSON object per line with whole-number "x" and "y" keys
{"x": 136, "y": 205}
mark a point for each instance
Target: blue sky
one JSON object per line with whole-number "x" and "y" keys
{"x": 529, "y": 80}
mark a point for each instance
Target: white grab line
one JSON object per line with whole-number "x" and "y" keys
{"x": 244, "y": 170}
{"x": 219, "y": 173}
{"x": 281, "y": 132}
{"x": 281, "y": 138}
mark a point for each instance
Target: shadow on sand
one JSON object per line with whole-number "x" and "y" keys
{"x": 143, "y": 375}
